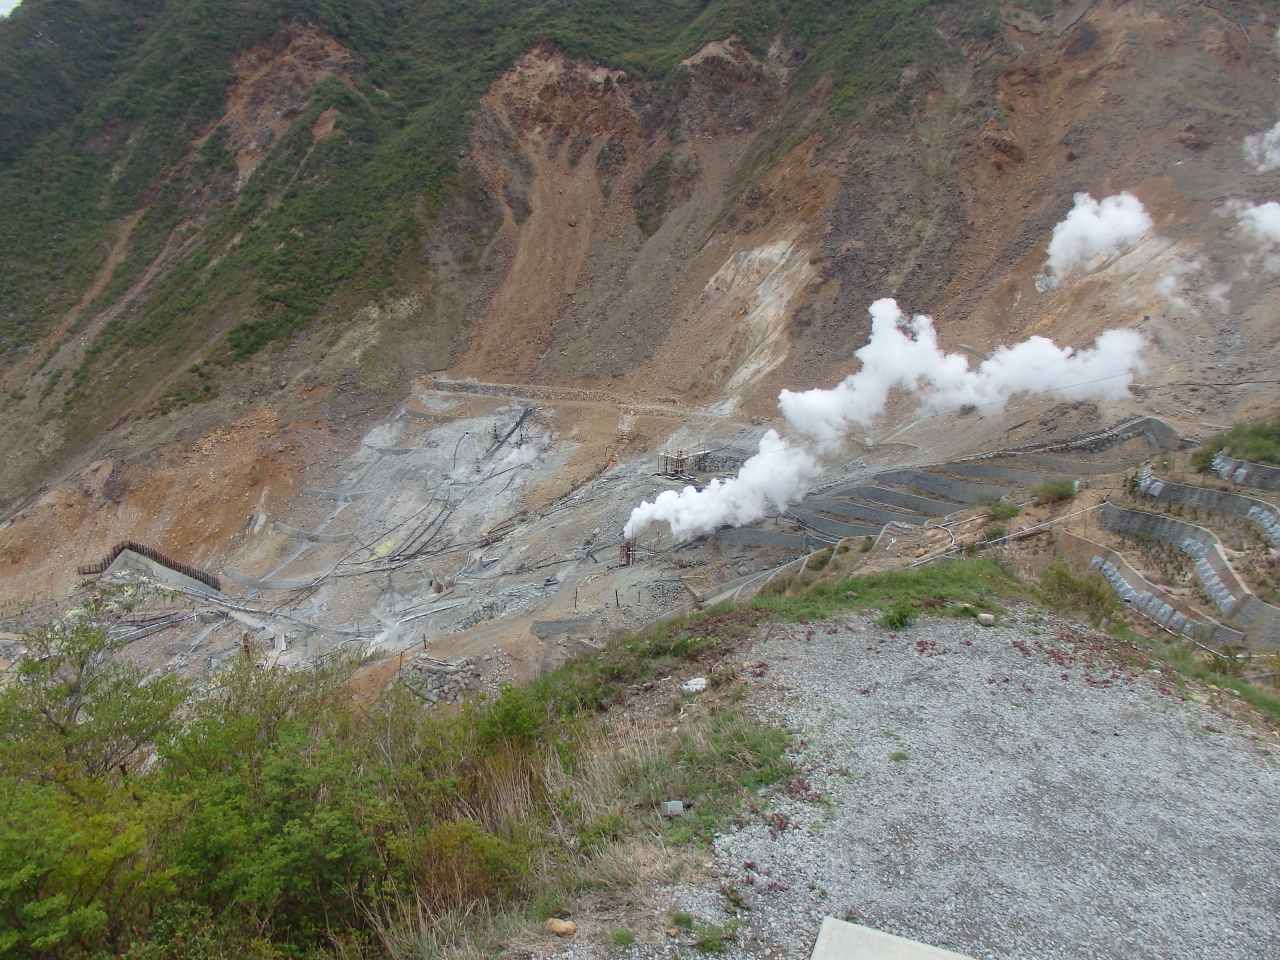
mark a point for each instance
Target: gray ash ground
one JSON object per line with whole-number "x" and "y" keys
{"x": 1013, "y": 791}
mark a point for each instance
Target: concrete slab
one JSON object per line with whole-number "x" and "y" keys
{"x": 129, "y": 560}
{"x": 838, "y": 940}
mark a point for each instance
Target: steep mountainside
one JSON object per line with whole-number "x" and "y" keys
{"x": 296, "y": 208}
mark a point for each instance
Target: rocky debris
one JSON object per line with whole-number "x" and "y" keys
{"x": 668, "y": 593}
{"x": 441, "y": 681}
{"x": 1023, "y": 792}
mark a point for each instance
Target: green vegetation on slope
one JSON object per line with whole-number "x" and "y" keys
{"x": 266, "y": 818}
{"x": 104, "y": 101}
{"x": 1256, "y": 442}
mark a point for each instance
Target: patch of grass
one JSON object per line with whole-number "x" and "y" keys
{"x": 1257, "y": 442}
{"x": 992, "y": 532}
{"x": 1186, "y": 660}
{"x": 867, "y": 543}
{"x": 971, "y": 580}
{"x": 620, "y": 937}
{"x": 1085, "y": 594}
{"x": 901, "y": 614}
{"x": 1000, "y": 510}
{"x": 818, "y": 562}
{"x": 714, "y": 938}
{"x": 682, "y": 920}
{"x": 898, "y": 756}
{"x": 1054, "y": 491}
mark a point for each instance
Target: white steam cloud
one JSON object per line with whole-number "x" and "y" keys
{"x": 1263, "y": 149}
{"x": 776, "y": 477}
{"x": 900, "y": 353}
{"x": 1094, "y": 227}
{"x": 1261, "y": 223}
{"x": 1262, "y": 220}
{"x": 905, "y": 354}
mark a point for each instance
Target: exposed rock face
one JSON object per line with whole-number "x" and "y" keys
{"x": 271, "y": 87}
{"x": 703, "y": 243}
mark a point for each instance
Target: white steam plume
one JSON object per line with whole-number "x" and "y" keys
{"x": 900, "y": 353}
{"x": 1261, "y": 220}
{"x": 1094, "y": 227}
{"x": 776, "y": 477}
{"x": 905, "y": 354}
{"x": 1263, "y": 149}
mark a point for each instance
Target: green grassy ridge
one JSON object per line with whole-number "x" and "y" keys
{"x": 1257, "y": 442}
{"x": 364, "y": 196}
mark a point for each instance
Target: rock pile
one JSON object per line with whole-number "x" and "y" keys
{"x": 440, "y": 681}
{"x": 669, "y": 593}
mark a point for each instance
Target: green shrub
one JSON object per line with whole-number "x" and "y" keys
{"x": 902, "y": 614}
{"x": 1001, "y": 510}
{"x": 1054, "y": 491}
{"x": 515, "y": 715}
{"x": 713, "y": 938}
{"x": 819, "y": 561}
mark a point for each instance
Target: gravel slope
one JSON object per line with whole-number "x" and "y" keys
{"x": 1003, "y": 792}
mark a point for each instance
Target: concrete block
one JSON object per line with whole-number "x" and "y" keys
{"x": 838, "y": 940}
{"x": 671, "y": 808}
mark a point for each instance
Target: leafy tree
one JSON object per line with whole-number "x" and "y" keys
{"x": 77, "y": 871}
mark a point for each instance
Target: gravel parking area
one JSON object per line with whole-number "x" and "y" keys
{"x": 1009, "y": 791}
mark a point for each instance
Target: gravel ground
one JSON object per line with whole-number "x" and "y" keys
{"x": 1002, "y": 792}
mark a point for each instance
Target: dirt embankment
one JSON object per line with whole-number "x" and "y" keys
{"x": 194, "y": 503}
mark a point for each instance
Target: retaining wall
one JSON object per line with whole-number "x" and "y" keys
{"x": 863, "y": 511}
{"x": 340, "y": 496}
{"x": 898, "y": 498}
{"x": 990, "y": 471}
{"x": 1075, "y": 468}
{"x": 570, "y": 627}
{"x": 764, "y": 538}
{"x": 307, "y": 535}
{"x": 129, "y": 560}
{"x": 958, "y": 490}
{"x": 259, "y": 584}
{"x": 835, "y": 528}
{"x": 1202, "y": 498}
{"x": 1084, "y": 550}
{"x": 1259, "y": 621}
{"x": 1254, "y": 474}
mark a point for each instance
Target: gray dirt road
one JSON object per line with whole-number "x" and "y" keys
{"x": 1002, "y": 792}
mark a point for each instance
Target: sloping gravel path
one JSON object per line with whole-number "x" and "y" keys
{"x": 1004, "y": 792}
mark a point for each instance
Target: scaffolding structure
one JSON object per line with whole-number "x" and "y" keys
{"x": 681, "y": 463}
